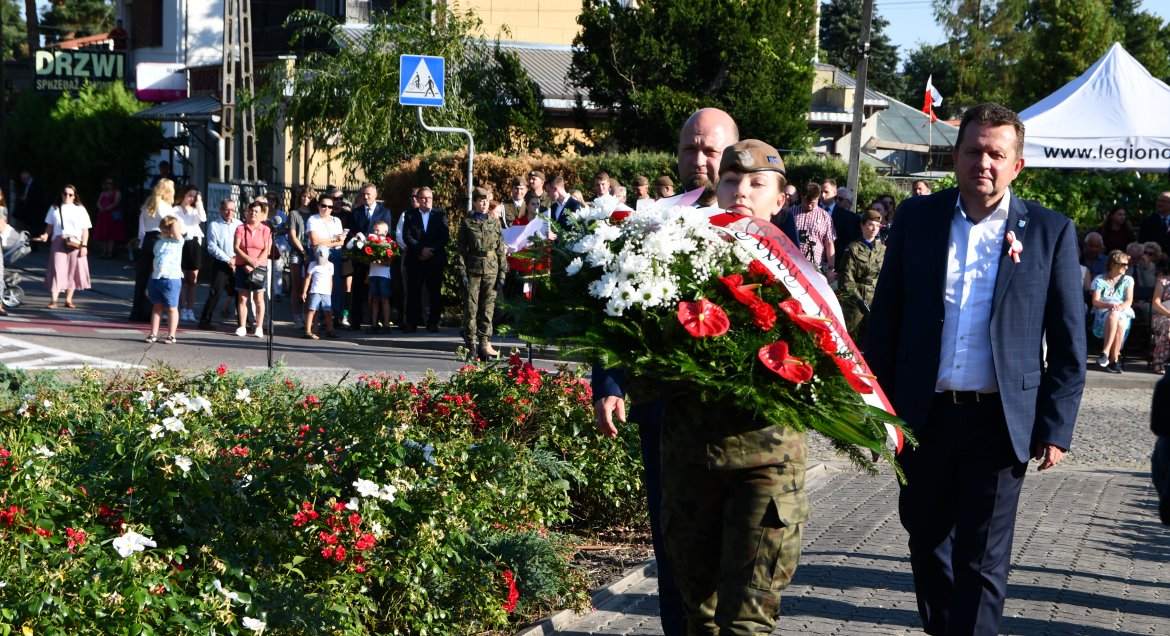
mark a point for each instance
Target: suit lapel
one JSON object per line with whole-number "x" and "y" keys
{"x": 1017, "y": 222}
{"x": 939, "y": 241}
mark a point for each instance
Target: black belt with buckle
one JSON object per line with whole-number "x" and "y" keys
{"x": 967, "y": 397}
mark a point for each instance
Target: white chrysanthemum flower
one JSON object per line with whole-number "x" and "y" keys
{"x": 603, "y": 287}
{"x": 574, "y": 266}
{"x": 607, "y": 232}
{"x": 132, "y": 542}
{"x": 183, "y": 463}
{"x": 616, "y": 306}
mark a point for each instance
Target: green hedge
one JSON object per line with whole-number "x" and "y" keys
{"x": 383, "y": 506}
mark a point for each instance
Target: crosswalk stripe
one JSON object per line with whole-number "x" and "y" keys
{"x": 46, "y": 358}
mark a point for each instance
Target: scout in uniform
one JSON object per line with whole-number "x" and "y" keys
{"x": 860, "y": 265}
{"x": 733, "y": 501}
{"x": 482, "y": 264}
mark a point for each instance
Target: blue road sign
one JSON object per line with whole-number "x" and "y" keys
{"x": 420, "y": 80}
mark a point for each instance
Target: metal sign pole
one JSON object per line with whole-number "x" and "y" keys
{"x": 470, "y": 149}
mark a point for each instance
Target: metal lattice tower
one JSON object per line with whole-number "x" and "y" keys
{"x": 236, "y": 72}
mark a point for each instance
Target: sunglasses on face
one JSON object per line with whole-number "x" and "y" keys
{"x": 326, "y": 206}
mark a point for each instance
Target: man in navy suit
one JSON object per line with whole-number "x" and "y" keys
{"x": 425, "y": 233}
{"x": 974, "y": 280}
{"x": 366, "y": 212}
{"x": 561, "y": 204}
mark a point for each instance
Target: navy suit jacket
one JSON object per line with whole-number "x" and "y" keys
{"x": 363, "y": 223}
{"x": 1038, "y": 297}
{"x": 571, "y": 205}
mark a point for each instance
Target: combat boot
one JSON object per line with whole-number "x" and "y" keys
{"x": 487, "y": 351}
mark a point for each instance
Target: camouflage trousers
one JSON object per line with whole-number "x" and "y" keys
{"x": 478, "y": 307}
{"x": 733, "y": 539}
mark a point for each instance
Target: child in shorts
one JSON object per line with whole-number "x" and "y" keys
{"x": 380, "y": 286}
{"x": 167, "y": 278}
{"x": 317, "y": 292}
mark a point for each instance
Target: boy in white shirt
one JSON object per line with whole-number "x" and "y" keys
{"x": 317, "y": 292}
{"x": 380, "y": 285}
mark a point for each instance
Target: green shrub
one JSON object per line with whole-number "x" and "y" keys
{"x": 379, "y": 506}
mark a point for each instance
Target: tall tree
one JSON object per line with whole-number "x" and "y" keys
{"x": 1067, "y": 37}
{"x": 840, "y": 31}
{"x": 15, "y": 44}
{"x": 67, "y": 19}
{"x": 345, "y": 95}
{"x": 985, "y": 43}
{"x": 654, "y": 62}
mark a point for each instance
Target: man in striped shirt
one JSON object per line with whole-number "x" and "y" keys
{"x": 814, "y": 227}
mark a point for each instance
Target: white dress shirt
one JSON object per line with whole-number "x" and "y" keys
{"x": 972, "y": 266}
{"x": 221, "y": 239}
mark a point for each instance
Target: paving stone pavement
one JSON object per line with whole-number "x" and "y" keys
{"x": 1090, "y": 557}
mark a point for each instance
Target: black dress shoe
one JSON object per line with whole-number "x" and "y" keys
{"x": 205, "y": 326}
{"x": 355, "y": 327}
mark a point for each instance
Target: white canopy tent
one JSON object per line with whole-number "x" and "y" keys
{"x": 1115, "y": 116}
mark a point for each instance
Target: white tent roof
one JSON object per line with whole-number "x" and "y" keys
{"x": 1115, "y": 116}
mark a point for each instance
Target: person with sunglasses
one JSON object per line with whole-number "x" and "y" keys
{"x": 325, "y": 230}
{"x": 67, "y": 225}
{"x": 221, "y": 236}
{"x": 1112, "y": 309}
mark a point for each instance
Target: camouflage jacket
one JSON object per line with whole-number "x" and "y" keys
{"x": 480, "y": 247}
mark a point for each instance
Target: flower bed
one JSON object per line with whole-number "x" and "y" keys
{"x": 164, "y": 504}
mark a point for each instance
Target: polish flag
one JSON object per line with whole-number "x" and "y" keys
{"x": 931, "y": 99}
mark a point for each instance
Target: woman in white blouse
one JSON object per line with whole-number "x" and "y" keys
{"x": 67, "y": 225}
{"x": 325, "y": 230}
{"x": 191, "y": 212}
{"x": 158, "y": 206}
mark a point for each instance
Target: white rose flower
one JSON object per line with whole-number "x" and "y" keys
{"x": 132, "y": 542}
{"x": 231, "y": 596}
{"x": 366, "y": 488}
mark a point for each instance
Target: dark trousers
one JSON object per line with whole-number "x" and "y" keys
{"x": 143, "y": 266}
{"x": 648, "y": 417}
{"x": 397, "y": 292}
{"x": 222, "y": 278}
{"x": 959, "y": 508}
{"x": 429, "y": 272}
{"x": 358, "y": 293}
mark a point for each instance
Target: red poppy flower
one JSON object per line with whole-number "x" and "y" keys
{"x": 757, "y": 268}
{"x": 859, "y": 381}
{"x": 795, "y": 312}
{"x": 703, "y": 318}
{"x": 763, "y": 314}
{"x": 775, "y": 357}
{"x": 745, "y": 294}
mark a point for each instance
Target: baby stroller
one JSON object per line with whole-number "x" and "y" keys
{"x": 15, "y": 247}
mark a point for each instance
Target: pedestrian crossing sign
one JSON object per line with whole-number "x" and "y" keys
{"x": 420, "y": 80}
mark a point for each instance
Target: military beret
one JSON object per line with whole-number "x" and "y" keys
{"x": 751, "y": 155}
{"x": 481, "y": 193}
{"x": 536, "y": 173}
{"x": 516, "y": 181}
{"x": 871, "y": 215}
{"x": 664, "y": 181}
{"x": 641, "y": 181}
